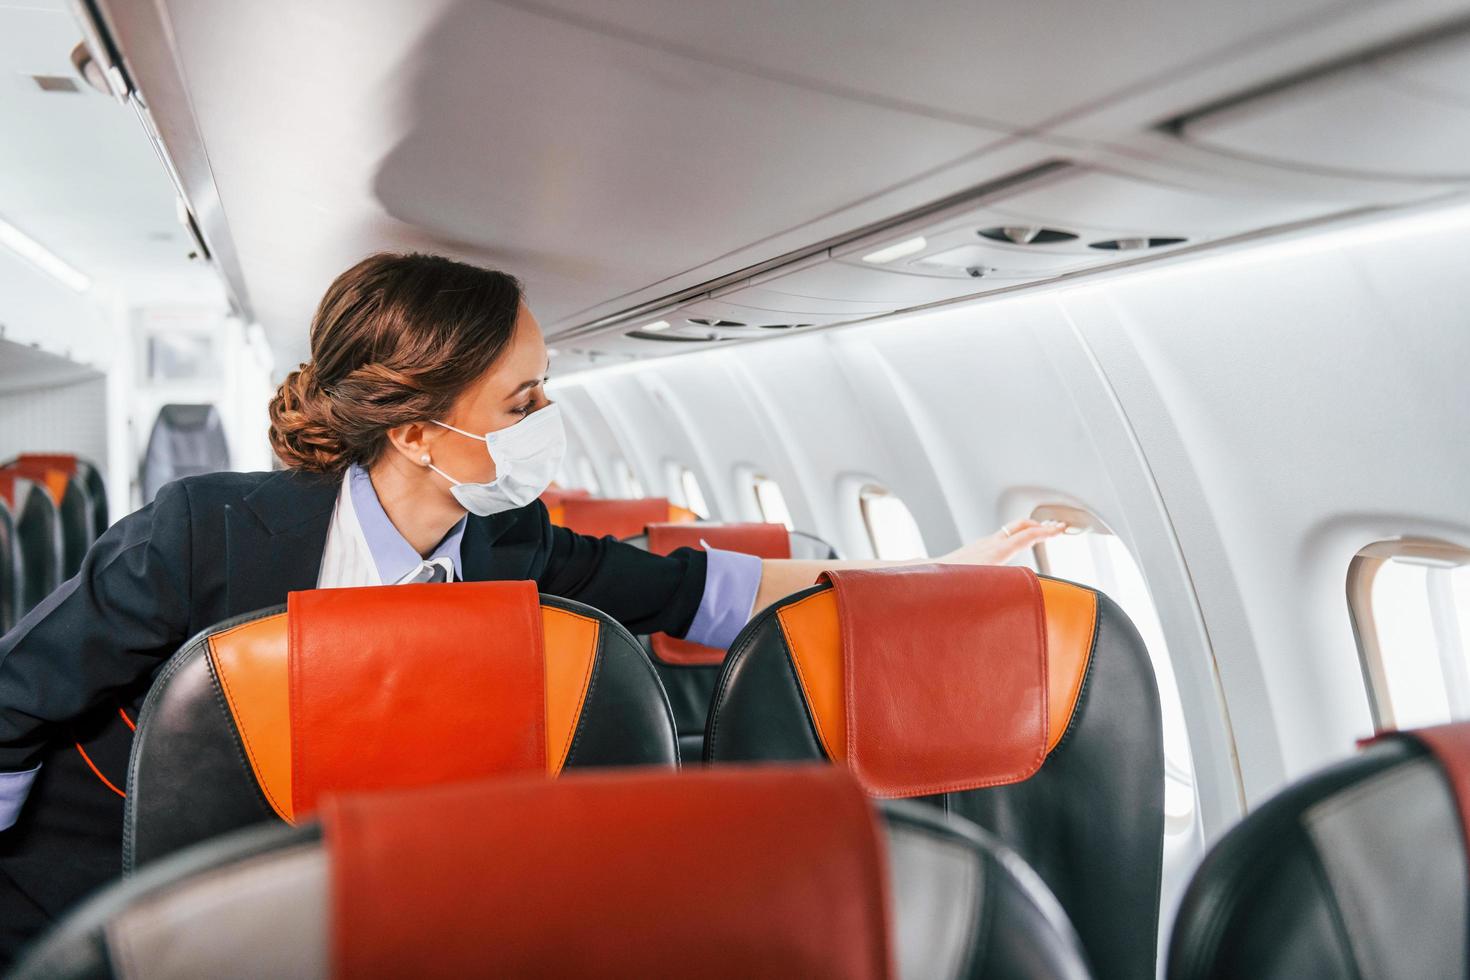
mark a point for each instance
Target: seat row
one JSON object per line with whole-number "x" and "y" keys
{"x": 415, "y": 829}
{"x": 263, "y": 717}
{"x": 52, "y": 507}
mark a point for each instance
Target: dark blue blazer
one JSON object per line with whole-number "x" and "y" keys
{"x": 74, "y": 671}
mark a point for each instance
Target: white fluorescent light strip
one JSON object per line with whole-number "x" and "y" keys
{"x": 42, "y": 257}
{"x": 898, "y": 251}
{"x": 656, "y": 326}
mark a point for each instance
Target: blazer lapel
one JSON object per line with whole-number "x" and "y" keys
{"x": 275, "y": 537}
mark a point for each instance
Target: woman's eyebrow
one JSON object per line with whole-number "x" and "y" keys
{"x": 528, "y": 385}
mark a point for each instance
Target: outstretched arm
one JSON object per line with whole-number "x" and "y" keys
{"x": 780, "y": 578}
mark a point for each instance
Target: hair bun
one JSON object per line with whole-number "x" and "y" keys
{"x": 303, "y": 432}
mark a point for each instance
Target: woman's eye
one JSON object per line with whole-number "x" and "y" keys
{"x": 522, "y": 410}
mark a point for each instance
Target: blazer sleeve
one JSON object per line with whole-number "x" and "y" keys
{"x": 104, "y": 629}
{"x": 646, "y": 593}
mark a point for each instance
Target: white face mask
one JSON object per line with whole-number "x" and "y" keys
{"x": 526, "y": 457}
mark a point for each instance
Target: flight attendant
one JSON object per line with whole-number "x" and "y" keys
{"x": 415, "y": 442}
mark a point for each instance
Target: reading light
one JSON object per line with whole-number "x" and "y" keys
{"x": 655, "y": 326}
{"x": 41, "y": 257}
{"x": 898, "y": 251}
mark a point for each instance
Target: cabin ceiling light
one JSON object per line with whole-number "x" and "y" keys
{"x": 655, "y": 326}
{"x": 42, "y": 257}
{"x": 892, "y": 252}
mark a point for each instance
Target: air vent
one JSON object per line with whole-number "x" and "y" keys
{"x": 55, "y": 83}
{"x": 784, "y": 326}
{"x": 1026, "y": 235}
{"x": 671, "y": 338}
{"x": 701, "y": 321}
{"x": 1134, "y": 244}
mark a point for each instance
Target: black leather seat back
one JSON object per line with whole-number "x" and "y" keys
{"x": 522, "y": 894}
{"x": 690, "y": 685}
{"x": 1356, "y": 871}
{"x": 38, "y": 537}
{"x": 223, "y": 738}
{"x": 84, "y": 472}
{"x": 186, "y": 440}
{"x": 1090, "y": 820}
{"x": 73, "y": 504}
{"x": 10, "y": 569}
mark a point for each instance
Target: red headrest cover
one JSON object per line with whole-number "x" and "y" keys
{"x": 60, "y": 461}
{"x": 761, "y": 540}
{"x": 620, "y": 518}
{"x": 440, "y": 682}
{"x": 553, "y": 497}
{"x": 600, "y": 876}
{"x": 944, "y": 675}
{"x": 7, "y": 487}
{"x": 54, "y": 478}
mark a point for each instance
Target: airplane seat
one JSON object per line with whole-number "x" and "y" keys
{"x": 38, "y": 536}
{"x": 552, "y": 497}
{"x": 74, "y": 508}
{"x": 185, "y": 440}
{"x": 1025, "y": 704}
{"x": 258, "y": 717}
{"x": 10, "y": 570}
{"x": 792, "y": 873}
{"x": 689, "y": 670}
{"x": 619, "y": 517}
{"x": 1358, "y": 870}
{"x": 88, "y": 474}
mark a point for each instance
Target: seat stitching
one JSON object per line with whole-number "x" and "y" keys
{"x": 586, "y": 685}
{"x": 235, "y": 716}
{"x": 801, "y": 679}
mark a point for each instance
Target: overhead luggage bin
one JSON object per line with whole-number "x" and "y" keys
{"x": 373, "y": 688}
{"x": 1401, "y": 113}
{"x": 784, "y": 872}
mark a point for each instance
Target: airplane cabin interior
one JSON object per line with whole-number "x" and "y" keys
{"x": 996, "y": 504}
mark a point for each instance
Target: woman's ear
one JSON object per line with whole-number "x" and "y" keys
{"x": 414, "y": 441}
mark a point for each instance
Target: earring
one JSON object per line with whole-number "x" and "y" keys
{"x": 424, "y": 459}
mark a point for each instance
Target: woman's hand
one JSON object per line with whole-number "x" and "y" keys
{"x": 781, "y": 577}
{"x": 1004, "y": 544}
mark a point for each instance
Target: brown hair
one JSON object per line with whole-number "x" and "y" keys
{"x": 395, "y": 340}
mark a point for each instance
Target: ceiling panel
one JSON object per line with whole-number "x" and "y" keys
{"x": 76, "y": 172}
{"x": 590, "y": 166}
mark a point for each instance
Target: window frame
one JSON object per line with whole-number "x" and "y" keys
{"x": 755, "y": 480}
{"x": 1081, "y": 521}
{"x": 871, "y": 491}
{"x": 1362, "y": 572}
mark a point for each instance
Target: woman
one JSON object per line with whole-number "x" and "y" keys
{"x": 416, "y": 442}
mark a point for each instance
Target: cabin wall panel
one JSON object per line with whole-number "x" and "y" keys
{"x": 63, "y": 418}
{"x": 1297, "y": 402}
{"x": 1245, "y": 420}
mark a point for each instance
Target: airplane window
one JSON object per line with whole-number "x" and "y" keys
{"x": 891, "y": 527}
{"x": 771, "y": 501}
{"x": 1410, "y": 607}
{"x": 589, "y": 476}
{"x": 674, "y": 483}
{"x": 631, "y": 485}
{"x": 693, "y": 493}
{"x": 684, "y": 489}
{"x": 1090, "y": 554}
